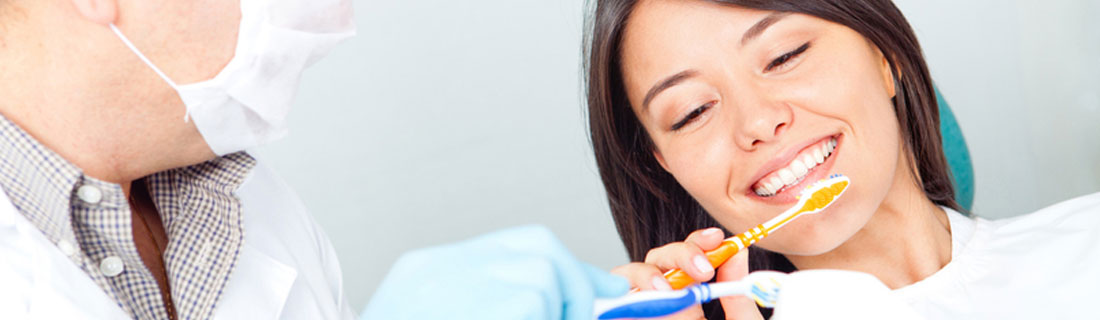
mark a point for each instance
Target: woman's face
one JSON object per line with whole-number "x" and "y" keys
{"x": 746, "y": 108}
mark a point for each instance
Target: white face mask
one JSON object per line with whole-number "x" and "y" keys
{"x": 246, "y": 104}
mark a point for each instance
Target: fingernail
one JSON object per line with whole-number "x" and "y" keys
{"x": 711, "y": 231}
{"x": 702, "y": 264}
{"x": 660, "y": 283}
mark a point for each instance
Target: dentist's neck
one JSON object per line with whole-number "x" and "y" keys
{"x": 906, "y": 240}
{"x": 89, "y": 99}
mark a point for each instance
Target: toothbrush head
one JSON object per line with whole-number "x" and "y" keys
{"x": 820, "y": 195}
{"x": 814, "y": 199}
{"x": 761, "y": 286}
{"x": 765, "y": 287}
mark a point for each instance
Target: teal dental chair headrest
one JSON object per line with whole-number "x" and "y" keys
{"x": 958, "y": 156}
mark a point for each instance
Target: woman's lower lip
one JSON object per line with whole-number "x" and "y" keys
{"x": 790, "y": 194}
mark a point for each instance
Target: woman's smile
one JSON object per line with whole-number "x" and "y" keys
{"x": 783, "y": 178}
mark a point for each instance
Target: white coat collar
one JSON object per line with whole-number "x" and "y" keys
{"x": 256, "y": 266}
{"x": 52, "y": 286}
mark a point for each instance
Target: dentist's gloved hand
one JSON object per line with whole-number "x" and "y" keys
{"x": 517, "y": 273}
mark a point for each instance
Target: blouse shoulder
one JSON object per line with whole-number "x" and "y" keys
{"x": 1004, "y": 262}
{"x": 1074, "y": 214}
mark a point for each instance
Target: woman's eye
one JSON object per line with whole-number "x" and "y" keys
{"x": 690, "y": 117}
{"x": 786, "y": 57}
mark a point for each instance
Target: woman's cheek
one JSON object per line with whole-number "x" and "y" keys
{"x": 693, "y": 176}
{"x": 701, "y": 172}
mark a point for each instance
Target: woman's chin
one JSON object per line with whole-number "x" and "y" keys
{"x": 806, "y": 245}
{"x": 807, "y": 251}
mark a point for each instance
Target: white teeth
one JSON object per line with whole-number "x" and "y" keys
{"x": 787, "y": 176}
{"x": 776, "y": 183}
{"x": 798, "y": 168}
{"x": 808, "y": 161}
{"x": 767, "y": 190}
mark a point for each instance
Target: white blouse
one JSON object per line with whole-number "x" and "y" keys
{"x": 1043, "y": 265}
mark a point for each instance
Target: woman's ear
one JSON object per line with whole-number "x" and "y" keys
{"x": 888, "y": 78}
{"x": 660, "y": 159}
{"x": 103, "y": 12}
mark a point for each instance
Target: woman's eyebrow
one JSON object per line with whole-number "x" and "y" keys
{"x": 762, "y": 25}
{"x": 675, "y": 79}
{"x": 665, "y": 84}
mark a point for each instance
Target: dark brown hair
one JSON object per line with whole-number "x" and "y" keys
{"x": 651, "y": 209}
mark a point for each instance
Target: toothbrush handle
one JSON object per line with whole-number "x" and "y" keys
{"x": 650, "y": 304}
{"x": 679, "y": 279}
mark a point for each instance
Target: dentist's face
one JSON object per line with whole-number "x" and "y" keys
{"x": 746, "y": 108}
{"x": 190, "y": 41}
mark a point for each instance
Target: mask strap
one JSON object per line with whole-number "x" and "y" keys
{"x": 187, "y": 114}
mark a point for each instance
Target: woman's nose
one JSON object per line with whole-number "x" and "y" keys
{"x": 761, "y": 121}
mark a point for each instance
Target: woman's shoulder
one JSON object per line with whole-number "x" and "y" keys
{"x": 1006, "y": 260}
{"x": 1054, "y": 247}
{"x": 1066, "y": 231}
{"x": 1081, "y": 213}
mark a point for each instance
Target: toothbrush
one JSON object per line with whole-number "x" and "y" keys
{"x": 762, "y": 286}
{"x": 814, "y": 199}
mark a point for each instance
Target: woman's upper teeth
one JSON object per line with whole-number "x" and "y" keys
{"x": 796, "y": 169}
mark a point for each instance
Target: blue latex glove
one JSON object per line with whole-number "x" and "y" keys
{"x": 517, "y": 273}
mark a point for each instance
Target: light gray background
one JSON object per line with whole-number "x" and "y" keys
{"x": 445, "y": 119}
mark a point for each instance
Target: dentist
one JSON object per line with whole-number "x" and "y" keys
{"x": 127, "y": 191}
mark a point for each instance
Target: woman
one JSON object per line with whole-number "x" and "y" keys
{"x": 714, "y": 114}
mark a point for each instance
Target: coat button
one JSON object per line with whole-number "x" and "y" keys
{"x": 89, "y": 194}
{"x": 66, "y": 248}
{"x": 111, "y": 266}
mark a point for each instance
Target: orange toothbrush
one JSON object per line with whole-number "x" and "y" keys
{"x": 814, "y": 199}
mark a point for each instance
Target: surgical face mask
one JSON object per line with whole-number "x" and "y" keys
{"x": 246, "y": 104}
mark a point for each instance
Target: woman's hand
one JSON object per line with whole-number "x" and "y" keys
{"x": 689, "y": 257}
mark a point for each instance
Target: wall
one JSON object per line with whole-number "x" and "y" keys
{"x": 1022, "y": 77}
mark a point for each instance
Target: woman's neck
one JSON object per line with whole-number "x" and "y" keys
{"x": 906, "y": 240}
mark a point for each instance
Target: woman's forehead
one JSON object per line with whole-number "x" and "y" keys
{"x": 663, "y": 37}
{"x": 672, "y": 19}
{"x": 680, "y": 26}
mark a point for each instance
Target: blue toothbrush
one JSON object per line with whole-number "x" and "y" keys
{"x": 761, "y": 286}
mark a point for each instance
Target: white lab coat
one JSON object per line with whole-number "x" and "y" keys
{"x": 287, "y": 268}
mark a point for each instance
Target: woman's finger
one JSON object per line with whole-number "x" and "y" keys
{"x": 737, "y": 307}
{"x": 684, "y": 256}
{"x": 706, "y": 239}
{"x": 689, "y": 255}
{"x": 642, "y": 276}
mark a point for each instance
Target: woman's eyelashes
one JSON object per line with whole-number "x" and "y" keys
{"x": 779, "y": 62}
{"x": 690, "y": 117}
{"x": 786, "y": 57}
